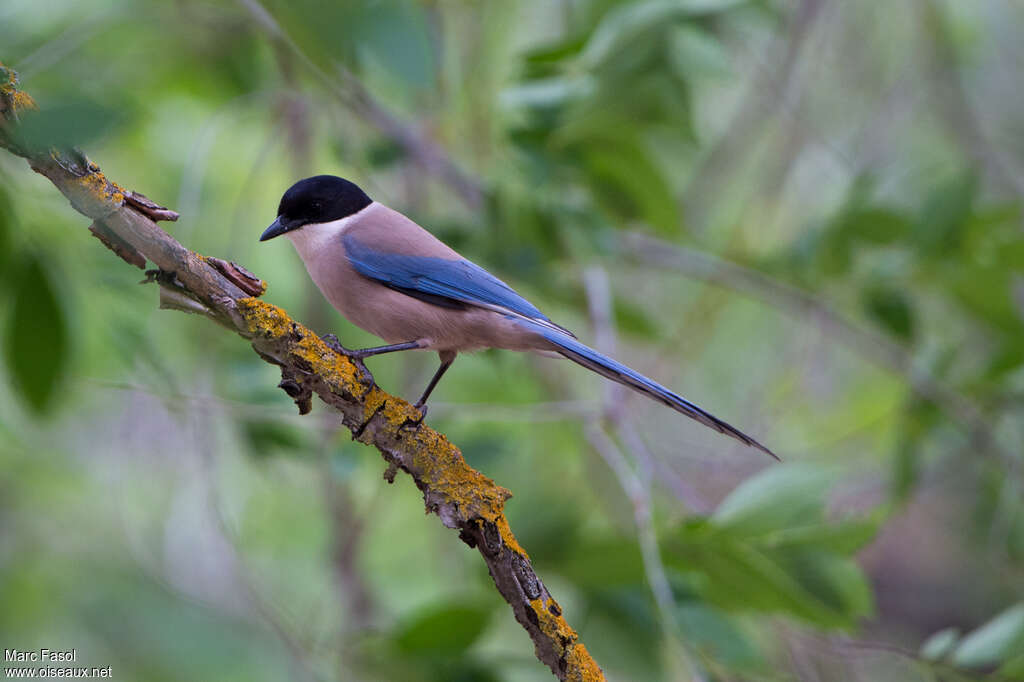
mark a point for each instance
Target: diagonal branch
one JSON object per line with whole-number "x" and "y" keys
{"x": 463, "y": 498}
{"x": 871, "y": 345}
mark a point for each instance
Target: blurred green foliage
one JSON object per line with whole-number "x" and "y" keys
{"x": 163, "y": 511}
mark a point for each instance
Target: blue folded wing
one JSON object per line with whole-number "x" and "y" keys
{"x": 447, "y": 283}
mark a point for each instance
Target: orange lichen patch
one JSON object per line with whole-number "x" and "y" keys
{"x": 268, "y": 321}
{"x": 438, "y": 463}
{"x": 8, "y": 80}
{"x": 10, "y": 95}
{"x": 101, "y": 188}
{"x": 580, "y": 666}
{"x": 264, "y": 319}
{"x": 339, "y": 373}
{"x": 554, "y": 627}
{"x": 441, "y": 465}
{"x": 21, "y": 101}
{"x": 508, "y": 538}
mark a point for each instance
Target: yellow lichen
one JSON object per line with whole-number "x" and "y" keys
{"x": 508, "y": 538}
{"x": 21, "y": 101}
{"x": 264, "y": 319}
{"x": 268, "y": 321}
{"x": 580, "y": 666}
{"x": 10, "y": 95}
{"x": 101, "y": 188}
{"x": 554, "y": 627}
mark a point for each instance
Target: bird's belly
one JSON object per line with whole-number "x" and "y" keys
{"x": 397, "y": 318}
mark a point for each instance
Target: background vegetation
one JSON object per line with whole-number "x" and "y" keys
{"x": 804, "y": 214}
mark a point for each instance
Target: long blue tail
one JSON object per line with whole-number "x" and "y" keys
{"x": 616, "y": 371}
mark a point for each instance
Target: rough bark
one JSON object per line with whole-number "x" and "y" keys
{"x": 462, "y": 498}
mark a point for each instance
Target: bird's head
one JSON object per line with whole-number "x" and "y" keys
{"x": 316, "y": 200}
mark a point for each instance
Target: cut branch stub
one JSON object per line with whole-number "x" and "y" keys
{"x": 237, "y": 275}
{"x": 149, "y": 208}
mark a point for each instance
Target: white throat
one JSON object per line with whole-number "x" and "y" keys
{"x": 314, "y": 238}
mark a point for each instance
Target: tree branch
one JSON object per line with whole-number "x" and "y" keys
{"x": 463, "y": 498}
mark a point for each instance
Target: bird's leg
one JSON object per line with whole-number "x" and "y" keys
{"x": 447, "y": 358}
{"x": 380, "y": 350}
{"x": 356, "y": 356}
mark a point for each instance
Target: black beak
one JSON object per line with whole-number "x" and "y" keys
{"x": 276, "y": 229}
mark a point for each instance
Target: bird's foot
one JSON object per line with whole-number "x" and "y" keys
{"x": 423, "y": 413}
{"x": 332, "y": 342}
{"x": 354, "y": 356}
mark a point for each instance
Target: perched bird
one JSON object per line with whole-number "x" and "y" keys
{"x": 394, "y": 279}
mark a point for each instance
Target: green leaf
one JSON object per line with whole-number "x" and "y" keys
{"x": 443, "y": 631}
{"x": 693, "y": 51}
{"x": 547, "y": 93}
{"x": 993, "y": 642}
{"x": 987, "y": 294}
{"x": 941, "y": 224}
{"x": 631, "y": 22}
{"x": 740, "y": 575}
{"x": 626, "y": 23}
{"x": 777, "y": 497}
{"x": 834, "y": 581}
{"x": 549, "y": 59}
{"x": 890, "y": 307}
{"x": 875, "y": 225}
{"x": 940, "y": 644}
{"x": 842, "y": 537}
{"x": 737, "y": 576}
{"x": 36, "y": 340}
{"x": 716, "y": 635}
{"x": 627, "y": 181}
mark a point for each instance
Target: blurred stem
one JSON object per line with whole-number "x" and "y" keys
{"x": 254, "y": 594}
{"x": 954, "y": 103}
{"x": 949, "y": 671}
{"x": 637, "y": 486}
{"x": 873, "y": 346}
{"x": 755, "y": 110}
{"x": 347, "y": 529}
{"x": 654, "y": 569}
{"x": 351, "y": 93}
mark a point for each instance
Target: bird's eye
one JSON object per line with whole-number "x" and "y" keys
{"x": 316, "y": 205}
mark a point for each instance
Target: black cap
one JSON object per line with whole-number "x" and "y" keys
{"x": 319, "y": 199}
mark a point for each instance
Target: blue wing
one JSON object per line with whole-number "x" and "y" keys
{"x": 447, "y": 283}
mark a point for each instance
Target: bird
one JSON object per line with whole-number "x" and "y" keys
{"x": 396, "y": 280}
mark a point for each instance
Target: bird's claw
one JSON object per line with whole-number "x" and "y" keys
{"x": 422, "y": 409}
{"x": 353, "y": 355}
{"x": 332, "y": 342}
